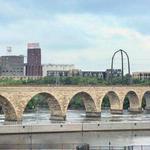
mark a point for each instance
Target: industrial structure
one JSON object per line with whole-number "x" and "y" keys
{"x": 122, "y": 52}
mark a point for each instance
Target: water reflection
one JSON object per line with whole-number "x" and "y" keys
{"x": 50, "y": 140}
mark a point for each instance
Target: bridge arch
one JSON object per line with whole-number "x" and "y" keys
{"x": 88, "y": 101}
{"x": 8, "y": 109}
{"x": 53, "y": 104}
{"x": 115, "y": 103}
{"x": 146, "y": 100}
{"x": 134, "y": 101}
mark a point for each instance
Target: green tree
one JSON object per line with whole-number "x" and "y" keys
{"x": 76, "y": 103}
{"x": 105, "y": 103}
{"x": 126, "y": 103}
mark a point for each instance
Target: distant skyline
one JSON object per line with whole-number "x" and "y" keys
{"x": 81, "y": 32}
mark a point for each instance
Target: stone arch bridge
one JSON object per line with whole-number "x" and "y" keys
{"x": 15, "y": 99}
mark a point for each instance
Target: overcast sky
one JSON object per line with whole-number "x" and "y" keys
{"x": 80, "y": 32}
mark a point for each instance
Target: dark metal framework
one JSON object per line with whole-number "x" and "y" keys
{"x": 122, "y": 63}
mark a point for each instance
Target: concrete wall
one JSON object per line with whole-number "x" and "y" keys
{"x": 74, "y": 127}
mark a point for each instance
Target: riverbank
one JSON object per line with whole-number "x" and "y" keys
{"x": 74, "y": 127}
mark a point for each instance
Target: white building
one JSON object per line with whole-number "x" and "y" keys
{"x": 141, "y": 75}
{"x": 56, "y": 67}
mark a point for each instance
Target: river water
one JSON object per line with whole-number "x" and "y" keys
{"x": 42, "y": 117}
{"x": 71, "y": 140}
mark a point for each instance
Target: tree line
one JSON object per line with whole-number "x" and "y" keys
{"x": 81, "y": 81}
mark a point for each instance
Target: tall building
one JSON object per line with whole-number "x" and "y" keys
{"x": 12, "y": 65}
{"x": 33, "y": 66}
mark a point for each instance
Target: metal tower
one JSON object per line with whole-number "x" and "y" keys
{"x": 122, "y": 52}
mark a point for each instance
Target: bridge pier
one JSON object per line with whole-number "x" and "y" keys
{"x": 57, "y": 118}
{"x": 135, "y": 110}
{"x": 116, "y": 111}
{"x": 93, "y": 114}
{"x": 10, "y": 118}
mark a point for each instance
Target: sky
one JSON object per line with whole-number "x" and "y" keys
{"x": 81, "y": 32}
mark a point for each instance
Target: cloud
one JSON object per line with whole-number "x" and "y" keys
{"x": 85, "y": 34}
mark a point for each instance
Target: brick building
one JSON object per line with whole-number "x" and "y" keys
{"x": 12, "y": 65}
{"x": 33, "y": 66}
